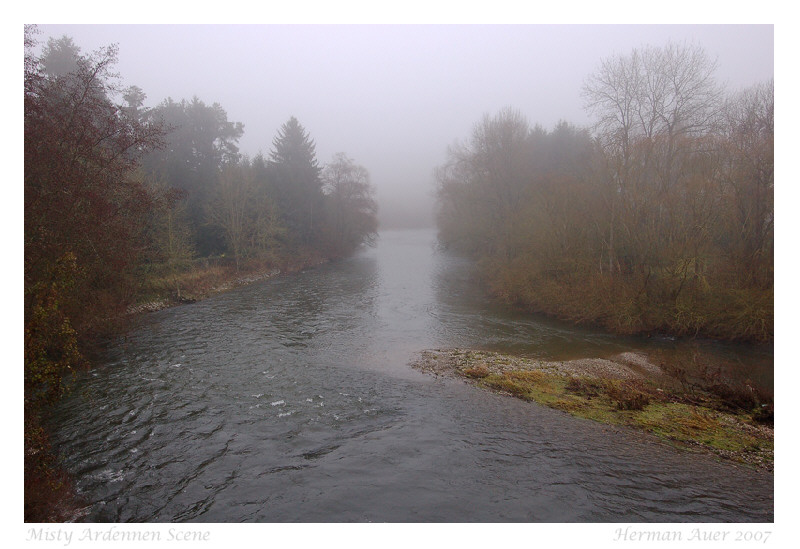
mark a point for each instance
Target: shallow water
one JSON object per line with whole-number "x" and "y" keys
{"x": 292, "y": 400}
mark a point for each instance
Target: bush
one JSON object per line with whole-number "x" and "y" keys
{"x": 627, "y": 396}
{"x": 51, "y": 342}
{"x": 583, "y": 386}
{"x": 735, "y": 397}
{"x": 477, "y": 372}
{"x": 764, "y": 414}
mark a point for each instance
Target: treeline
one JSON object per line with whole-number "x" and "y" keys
{"x": 658, "y": 219}
{"x": 118, "y": 195}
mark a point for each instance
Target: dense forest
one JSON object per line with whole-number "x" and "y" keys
{"x": 124, "y": 202}
{"x": 657, "y": 219}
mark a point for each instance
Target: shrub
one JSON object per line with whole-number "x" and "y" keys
{"x": 49, "y": 493}
{"x": 477, "y": 372}
{"x": 764, "y": 414}
{"x": 735, "y": 397}
{"x": 583, "y": 386}
{"x": 51, "y": 342}
{"x": 627, "y": 396}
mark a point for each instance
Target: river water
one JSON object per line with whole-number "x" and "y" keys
{"x": 292, "y": 400}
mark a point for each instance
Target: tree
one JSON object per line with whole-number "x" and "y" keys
{"x": 654, "y": 92}
{"x": 748, "y": 179}
{"x": 245, "y": 212}
{"x": 351, "y": 210}
{"x": 232, "y": 207}
{"x": 200, "y": 142}
{"x": 651, "y": 107}
{"x": 480, "y": 187}
{"x": 296, "y": 180}
{"x": 172, "y": 237}
{"x": 134, "y": 98}
{"x": 60, "y": 57}
{"x": 85, "y": 213}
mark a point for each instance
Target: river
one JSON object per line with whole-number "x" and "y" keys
{"x": 292, "y": 400}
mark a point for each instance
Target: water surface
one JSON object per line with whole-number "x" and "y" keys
{"x": 292, "y": 400}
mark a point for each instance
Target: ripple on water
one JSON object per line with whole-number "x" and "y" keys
{"x": 291, "y": 400}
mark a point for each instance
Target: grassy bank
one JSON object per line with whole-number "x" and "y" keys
{"x": 164, "y": 287}
{"x": 733, "y": 422}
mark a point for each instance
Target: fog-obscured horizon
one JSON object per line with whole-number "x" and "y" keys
{"x": 393, "y": 97}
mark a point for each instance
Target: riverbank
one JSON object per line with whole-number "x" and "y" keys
{"x": 628, "y": 306}
{"x": 50, "y": 494}
{"x": 734, "y": 423}
{"x": 207, "y": 278}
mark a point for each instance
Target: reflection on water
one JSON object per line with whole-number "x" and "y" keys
{"x": 292, "y": 400}
{"x": 474, "y": 320}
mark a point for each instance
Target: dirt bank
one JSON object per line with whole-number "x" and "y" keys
{"x": 203, "y": 282}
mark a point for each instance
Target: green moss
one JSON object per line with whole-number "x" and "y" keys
{"x": 637, "y": 405}
{"x": 685, "y": 423}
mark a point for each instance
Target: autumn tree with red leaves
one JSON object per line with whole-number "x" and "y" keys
{"x": 85, "y": 212}
{"x": 85, "y": 220}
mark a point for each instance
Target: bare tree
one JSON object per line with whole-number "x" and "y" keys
{"x": 651, "y": 107}
{"x": 230, "y": 209}
{"x": 173, "y": 237}
{"x": 485, "y": 180}
{"x": 245, "y": 212}
{"x": 748, "y": 180}
{"x": 351, "y": 209}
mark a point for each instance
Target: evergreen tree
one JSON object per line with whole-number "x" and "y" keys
{"x": 60, "y": 57}
{"x": 297, "y": 182}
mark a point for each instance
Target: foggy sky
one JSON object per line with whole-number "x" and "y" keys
{"x": 394, "y": 97}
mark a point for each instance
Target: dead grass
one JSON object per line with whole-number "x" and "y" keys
{"x": 478, "y": 371}
{"x": 204, "y": 278}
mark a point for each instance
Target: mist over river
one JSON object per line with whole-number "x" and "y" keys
{"x": 293, "y": 400}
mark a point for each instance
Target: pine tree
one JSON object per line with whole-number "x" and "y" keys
{"x": 296, "y": 180}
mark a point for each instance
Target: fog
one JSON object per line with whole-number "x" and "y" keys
{"x": 658, "y": 228}
{"x": 393, "y": 97}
